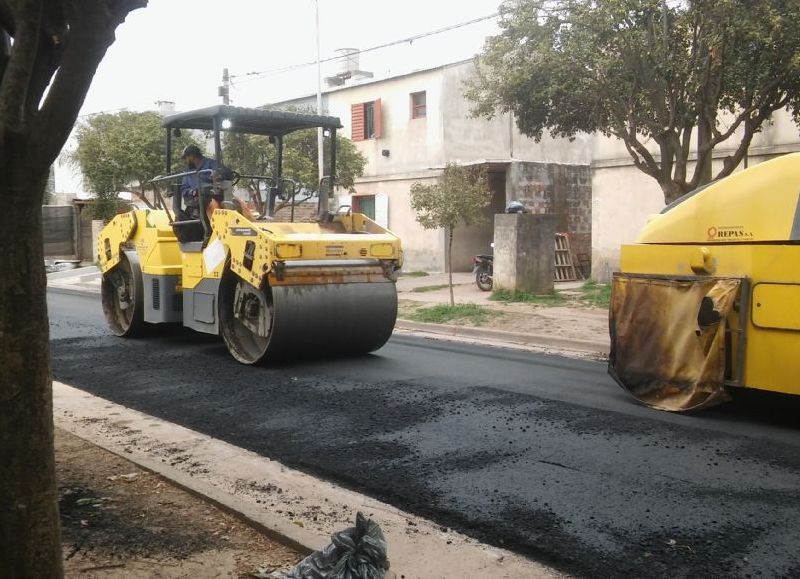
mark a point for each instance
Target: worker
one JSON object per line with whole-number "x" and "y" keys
{"x": 190, "y": 186}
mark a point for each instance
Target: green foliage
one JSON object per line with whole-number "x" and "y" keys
{"x": 120, "y": 152}
{"x": 428, "y": 288}
{"x": 255, "y": 155}
{"x": 414, "y": 274}
{"x": 596, "y": 294}
{"x": 504, "y": 295}
{"x": 659, "y": 75}
{"x": 460, "y": 197}
{"x": 443, "y": 314}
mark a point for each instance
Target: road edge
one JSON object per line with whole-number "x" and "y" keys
{"x": 539, "y": 340}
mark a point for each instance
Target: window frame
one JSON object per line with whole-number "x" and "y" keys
{"x": 416, "y": 108}
{"x": 369, "y": 120}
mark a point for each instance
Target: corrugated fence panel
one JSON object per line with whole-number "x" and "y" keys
{"x": 58, "y": 230}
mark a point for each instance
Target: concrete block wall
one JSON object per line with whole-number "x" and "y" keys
{"x": 564, "y": 191}
{"x": 524, "y": 250}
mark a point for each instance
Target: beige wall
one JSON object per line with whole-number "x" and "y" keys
{"x": 423, "y": 250}
{"x": 468, "y": 139}
{"x": 413, "y": 144}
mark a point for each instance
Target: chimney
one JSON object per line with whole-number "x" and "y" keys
{"x": 349, "y": 68}
{"x": 165, "y": 107}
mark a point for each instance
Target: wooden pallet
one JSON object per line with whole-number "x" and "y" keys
{"x": 565, "y": 269}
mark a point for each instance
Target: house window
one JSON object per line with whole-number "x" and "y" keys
{"x": 418, "y": 105}
{"x": 366, "y": 120}
{"x": 369, "y": 120}
{"x": 364, "y": 204}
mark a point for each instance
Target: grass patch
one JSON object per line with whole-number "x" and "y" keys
{"x": 414, "y": 274}
{"x": 429, "y": 288}
{"x": 596, "y": 294}
{"x": 442, "y": 314}
{"x": 502, "y": 295}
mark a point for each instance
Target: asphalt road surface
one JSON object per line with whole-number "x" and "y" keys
{"x": 540, "y": 454}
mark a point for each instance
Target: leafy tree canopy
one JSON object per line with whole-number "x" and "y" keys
{"x": 122, "y": 151}
{"x": 662, "y": 75}
{"x": 254, "y": 154}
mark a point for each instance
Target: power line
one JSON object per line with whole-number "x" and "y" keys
{"x": 255, "y": 75}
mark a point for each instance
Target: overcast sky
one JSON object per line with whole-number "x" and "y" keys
{"x": 175, "y": 49}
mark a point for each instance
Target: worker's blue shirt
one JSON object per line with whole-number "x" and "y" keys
{"x": 192, "y": 182}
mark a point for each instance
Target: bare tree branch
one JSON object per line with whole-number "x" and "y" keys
{"x": 16, "y": 79}
{"x": 92, "y": 25}
{"x": 52, "y": 37}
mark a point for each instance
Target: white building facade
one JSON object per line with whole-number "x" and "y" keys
{"x": 409, "y": 126}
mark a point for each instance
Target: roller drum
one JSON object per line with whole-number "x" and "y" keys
{"x": 309, "y": 321}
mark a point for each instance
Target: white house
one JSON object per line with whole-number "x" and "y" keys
{"x": 409, "y": 126}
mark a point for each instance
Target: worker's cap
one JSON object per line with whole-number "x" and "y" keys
{"x": 191, "y": 151}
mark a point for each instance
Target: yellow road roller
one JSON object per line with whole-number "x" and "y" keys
{"x": 708, "y": 297}
{"x": 270, "y": 288}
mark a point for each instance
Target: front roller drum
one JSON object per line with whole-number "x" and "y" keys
{"x": 122, "y": 293}
{"x": 305, "y": 321}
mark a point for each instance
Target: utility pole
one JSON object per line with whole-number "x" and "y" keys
{"x": 225, "y": 89}
{"x": 320, "y": 140}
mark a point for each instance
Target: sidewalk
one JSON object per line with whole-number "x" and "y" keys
{"x": 569, "y": 328}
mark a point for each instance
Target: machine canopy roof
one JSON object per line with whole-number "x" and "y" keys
{"x": 252, "y": 121}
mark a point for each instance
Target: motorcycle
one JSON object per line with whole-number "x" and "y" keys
{"x": 483, "y": 271}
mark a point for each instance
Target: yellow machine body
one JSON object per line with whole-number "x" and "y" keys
{"x": 746, "y": 226}
{"x": 330, "y": 281}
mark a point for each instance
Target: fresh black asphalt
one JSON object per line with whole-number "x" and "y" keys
{"x": 540, "y": 454}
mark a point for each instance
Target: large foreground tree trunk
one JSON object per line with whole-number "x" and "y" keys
{"x": 30, "y": 544}
{"x": 49, "y": 51}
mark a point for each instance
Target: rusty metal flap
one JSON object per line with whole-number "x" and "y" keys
{"x": 668, "y": 339}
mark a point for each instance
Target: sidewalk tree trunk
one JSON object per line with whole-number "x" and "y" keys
{"x": 460, "y": 197}
{"x": 674, "y": 81}
{"x": 450, "y": 264}
{"x": 49, "y": 51}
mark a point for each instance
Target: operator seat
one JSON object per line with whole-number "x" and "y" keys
{"x": 188, "y": 230}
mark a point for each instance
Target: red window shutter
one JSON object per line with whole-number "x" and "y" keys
{"x": 357, "y": 122}
{"x": 377, "y": 121}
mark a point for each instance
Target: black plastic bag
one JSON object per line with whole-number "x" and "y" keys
{"x": 355, "y": 553}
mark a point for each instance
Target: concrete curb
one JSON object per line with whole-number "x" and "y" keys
{"x": 541, "y": 340}
{"x": 293, "y": 507}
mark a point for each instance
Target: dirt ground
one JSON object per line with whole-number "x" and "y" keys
{"x": 121, "y": 521}
{"x": 581, "y": 323}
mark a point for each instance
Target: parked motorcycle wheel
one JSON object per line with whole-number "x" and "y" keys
{"x": 483, "y": 280}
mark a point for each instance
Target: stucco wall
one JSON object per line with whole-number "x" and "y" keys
{"x": 413, "y": 144}
{"x": 468, "y": 139}
{"x": 423, "y": 249}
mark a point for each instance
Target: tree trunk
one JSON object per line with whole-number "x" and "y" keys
{"x": 450, "y": 264}
{"x": 30, "y": 543}
{"x": 703, "y": 171}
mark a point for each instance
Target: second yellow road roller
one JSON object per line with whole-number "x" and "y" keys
{"x": 708, "y": 297}
{"x": 270, "y": 288}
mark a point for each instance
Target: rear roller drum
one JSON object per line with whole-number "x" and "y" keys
{"x": 122, "y": 293}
